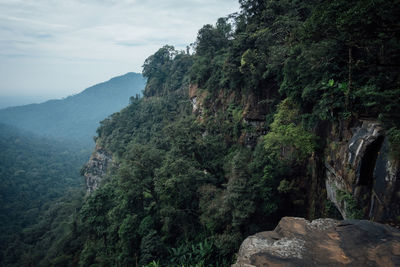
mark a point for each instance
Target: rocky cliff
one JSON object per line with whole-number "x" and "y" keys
{"x": 322, "y": 242}
{"x": 96, "y": 168}
{"x": 248, "y": 109}
{"x": 356, "y": 171}
{"x": 361, "y": 177}
{"x": 361, "y": 173}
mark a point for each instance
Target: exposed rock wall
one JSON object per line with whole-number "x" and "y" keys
{"x": 253, "y": 109}
{"x": 358, "y": 164}
{"x": 96, "y": 168}
{"x": 322, "y": 242}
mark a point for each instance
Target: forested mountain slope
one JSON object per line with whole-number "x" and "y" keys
{"x": 76, "y": 117}
{"x": 280, "y": 107}
{"x": 35, "y": 173}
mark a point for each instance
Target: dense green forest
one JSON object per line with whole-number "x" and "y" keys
{"x": 40, "y": 187}
{"x": 186, "y": 188}
{"x": 75, "y": 118}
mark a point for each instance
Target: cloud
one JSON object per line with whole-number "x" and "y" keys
{"x": 76, "y": 43}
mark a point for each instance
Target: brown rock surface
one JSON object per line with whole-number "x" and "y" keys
{"x": 322, "y": 242}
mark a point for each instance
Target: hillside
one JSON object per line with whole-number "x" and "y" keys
{"x": 289, "y": 108}
{"x": 76, "y": 117}
{"x": 36, "y": 175}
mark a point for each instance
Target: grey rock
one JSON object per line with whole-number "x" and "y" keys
{"x": 322, "y": 242}
{"x": 96, "y": 168}
{"x": 360, "y": 165}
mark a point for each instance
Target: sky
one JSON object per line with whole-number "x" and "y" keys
{"x": 56, "y": 48}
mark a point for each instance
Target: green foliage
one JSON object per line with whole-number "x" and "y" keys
{"x": 330, "y": 210}
{"x": 285, "y": 186}
{"x": 355, "y": 43}
{"x": 40, "y": 190}
{"x": 385, "y": 106}
{"x": 394, "y": 139}
{"x": 211, "y": 39}
{"x": 200, "y": 254}
{"x": 166, "y": 71}
{"x": 153, "y": 264}
{"x": 287, "y": 139}
{"x": 331, "y": 105}
{"x": 152, "y": 200}
{"x": 210, "y": 62}
{"x": 352, "y": 209}
{"x": 186, "y": 190}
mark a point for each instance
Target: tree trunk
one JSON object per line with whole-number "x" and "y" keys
{"x": 349, "y": 84}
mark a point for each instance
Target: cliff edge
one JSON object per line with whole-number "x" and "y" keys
{"x": 322, "y": 242}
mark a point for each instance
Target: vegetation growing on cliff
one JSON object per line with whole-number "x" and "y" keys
{"x": 187, "y": 189}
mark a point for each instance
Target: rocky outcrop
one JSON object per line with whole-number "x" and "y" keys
{"x": 197, "y": 97}
{"x": 250, "y": 108}
{"x": 322, "y": 242}
{"x": 96, "y": 168}
{"x": 359, "y": 169}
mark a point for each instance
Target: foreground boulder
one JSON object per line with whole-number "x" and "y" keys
{"x": 322, "y": 242}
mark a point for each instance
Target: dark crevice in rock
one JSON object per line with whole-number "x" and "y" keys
{"x": 343, "y": 224}
{"x": 368, "y": 163}
{"x": 366, "y": 179}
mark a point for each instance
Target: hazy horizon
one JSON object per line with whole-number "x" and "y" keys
{"x": 7, "y": 101}
{"x": 12, "y": 101}
{"x": 51, "y": 50}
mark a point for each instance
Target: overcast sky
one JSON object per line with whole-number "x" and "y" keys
{"x": 55, "y": 48}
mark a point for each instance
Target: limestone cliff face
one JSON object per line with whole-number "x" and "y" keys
{"x": 96, "y": 168}
{"x": 322, "y": 242}
{"x": 358, "y": 164}
{"x": 251, "y": 109}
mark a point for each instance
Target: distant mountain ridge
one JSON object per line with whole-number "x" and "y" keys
{"x": 76, "y": 117}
